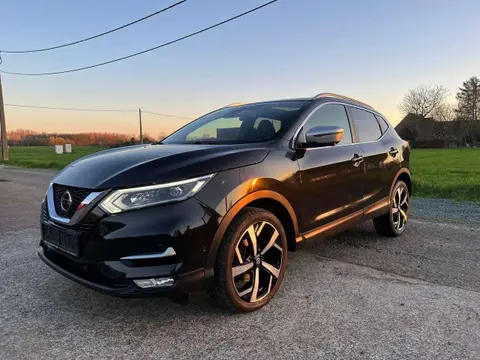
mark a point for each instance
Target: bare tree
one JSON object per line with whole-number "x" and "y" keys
{"x": 443, "y": 114}
{"x": 423, "y": 100}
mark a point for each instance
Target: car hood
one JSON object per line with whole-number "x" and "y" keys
{"x": 154, "y": 164}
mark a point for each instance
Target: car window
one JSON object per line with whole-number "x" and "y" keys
{"x": 330, "y": 115}
{"x": 366, "y": 124}
{"x": 276, "y": 123}
{"x": 241, "y": 124}
{"x": 223, "y": 129}
{"x": 383, "y": 123}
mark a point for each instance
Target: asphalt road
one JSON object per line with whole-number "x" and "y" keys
{"x": 357, "y": 296}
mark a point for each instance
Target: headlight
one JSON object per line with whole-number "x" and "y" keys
{"x": 134, "y": 198}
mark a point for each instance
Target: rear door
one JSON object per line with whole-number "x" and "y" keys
{"x": 331, "y": 179}
{"x": 378, "y": 153}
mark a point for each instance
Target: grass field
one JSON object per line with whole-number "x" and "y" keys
{"x": 441, "y": 173}
{"x": 44, "y": 157}
{"x": 446, "y": 173}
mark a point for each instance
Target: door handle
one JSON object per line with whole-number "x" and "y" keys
{"x": 357, "y": 160}
{"x": 393, "y": 151}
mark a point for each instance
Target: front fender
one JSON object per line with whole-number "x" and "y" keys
{"x": 233, "y": 211}
{"x": 276, "y": 178}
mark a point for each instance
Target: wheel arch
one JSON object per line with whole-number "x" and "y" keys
{"x": 265, "y": 199}
{"x": 403, "y": 175}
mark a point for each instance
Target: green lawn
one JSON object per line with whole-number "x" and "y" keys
{"x": 44, "y": 157}
{"x": 446, "y": 173}
{"x": 441, "y": 173}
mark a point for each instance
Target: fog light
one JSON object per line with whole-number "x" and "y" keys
{"x": 154, "y": 283}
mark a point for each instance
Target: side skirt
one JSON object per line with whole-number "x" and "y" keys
{"x": 380, "y": 207}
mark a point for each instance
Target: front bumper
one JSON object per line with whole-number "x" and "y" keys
{"x": 183, "y": 284}
{"x": 116, "y": 249}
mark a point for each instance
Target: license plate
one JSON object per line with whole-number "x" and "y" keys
{"x": 60, "y": 239}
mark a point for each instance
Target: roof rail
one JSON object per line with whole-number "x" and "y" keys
{"x": 342, "y": 97}
{"x": 233, "y": 104}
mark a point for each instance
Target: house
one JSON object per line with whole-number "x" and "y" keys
{"x": 427, "y": 132}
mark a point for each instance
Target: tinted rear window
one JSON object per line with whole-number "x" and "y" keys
{"x": 383, "y": 123}
{"x": 367, "y": 126}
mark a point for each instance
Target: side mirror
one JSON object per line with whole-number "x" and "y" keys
{"x": 323, "y": 136}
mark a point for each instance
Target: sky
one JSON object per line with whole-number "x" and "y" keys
{"x": 371, "y": 50}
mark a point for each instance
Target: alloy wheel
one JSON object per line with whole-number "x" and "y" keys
{"x": 257, "y": 262}
{"x": 400, "y": 208}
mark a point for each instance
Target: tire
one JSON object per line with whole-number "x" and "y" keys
{"x": 394, "y": 222}
{"x": 264, "y": 267}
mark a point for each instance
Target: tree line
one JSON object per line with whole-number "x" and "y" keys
{"x": 25, "y": 137}
{"x": 431, "y": 121}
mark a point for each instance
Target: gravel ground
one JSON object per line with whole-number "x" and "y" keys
{"x": 21, "y": 192}
{"x": 444, "y": 209}
{"x": 354, "y": 296}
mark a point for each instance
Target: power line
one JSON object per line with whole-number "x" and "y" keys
{"x": 95, "y": 36}
{"x": 166, "y": 115}
{"x": 147, "y": 50}
{"x": 95, "y": 110}
{"x": 67, "y": 109}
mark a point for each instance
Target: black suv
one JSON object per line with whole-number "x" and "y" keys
{"x": 217, "y": 204}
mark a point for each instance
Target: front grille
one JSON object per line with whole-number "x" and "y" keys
{"x": 77, "y": 194}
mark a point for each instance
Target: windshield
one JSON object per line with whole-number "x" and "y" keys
{"x": 240, "y": 124}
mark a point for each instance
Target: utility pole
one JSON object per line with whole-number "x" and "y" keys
{"x": 3, "y": 126}
{"x": 140, "y": 120}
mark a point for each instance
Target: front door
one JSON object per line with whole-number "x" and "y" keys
{"x": 331, "y": 177}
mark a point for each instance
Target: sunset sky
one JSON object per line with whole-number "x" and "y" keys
{"x": 371, "y": 50}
